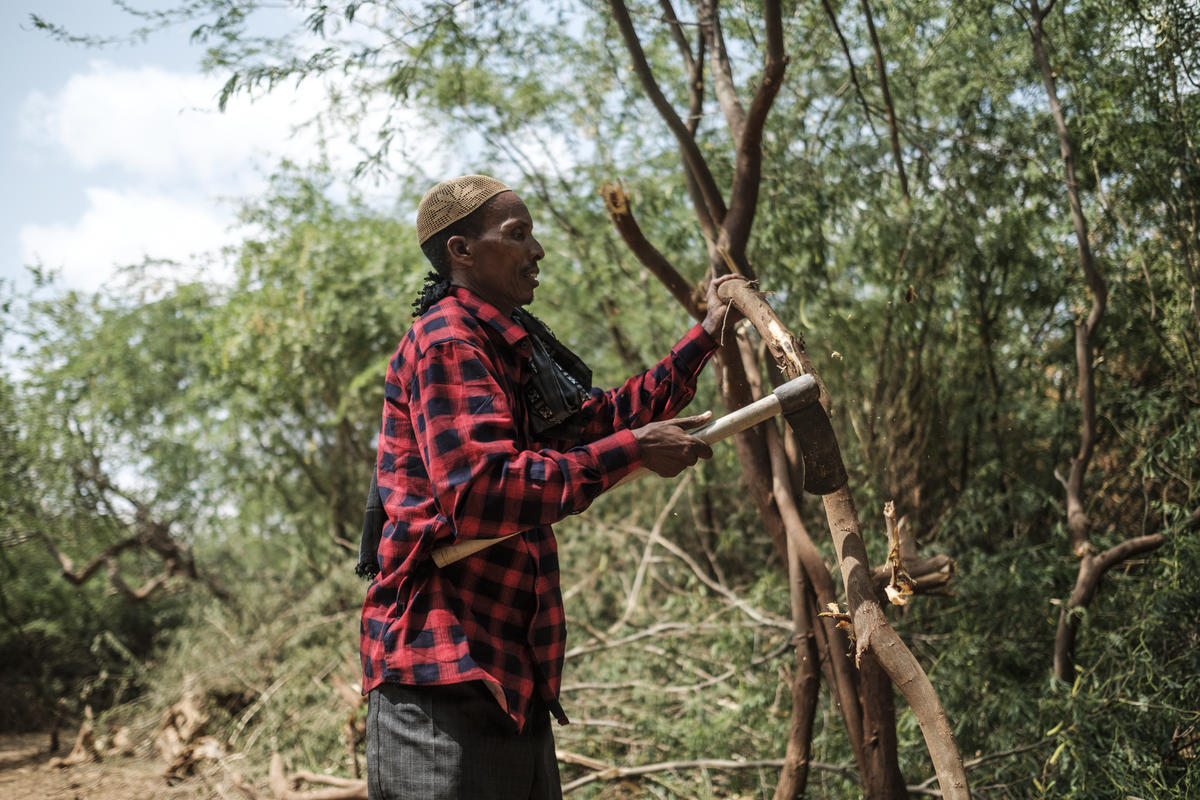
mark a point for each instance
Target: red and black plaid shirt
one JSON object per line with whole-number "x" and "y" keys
{"x": 456, "y": 461}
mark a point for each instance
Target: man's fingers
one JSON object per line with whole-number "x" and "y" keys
{"x": 692, "y": 422}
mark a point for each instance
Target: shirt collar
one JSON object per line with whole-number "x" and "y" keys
{"x": 512, "y": 333}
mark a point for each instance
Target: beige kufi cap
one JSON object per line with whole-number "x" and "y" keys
{"x": 451, "y": 200}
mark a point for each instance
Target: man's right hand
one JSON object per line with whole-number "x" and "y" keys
{"x": 667, "y": 447}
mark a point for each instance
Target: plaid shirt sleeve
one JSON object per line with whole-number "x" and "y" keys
{"x": 484, "y": 481}
{"x": 660, "y": 392}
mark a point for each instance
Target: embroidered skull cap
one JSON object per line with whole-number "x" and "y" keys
{"x": 451, "y": 200}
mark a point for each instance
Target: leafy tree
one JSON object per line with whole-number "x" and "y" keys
{"x": 912, "y": 216}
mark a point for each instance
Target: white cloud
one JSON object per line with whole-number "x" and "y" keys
{"x": 156, "y": 156}
{"x": 163, "y": 127}
{"x": 123, "y": 227}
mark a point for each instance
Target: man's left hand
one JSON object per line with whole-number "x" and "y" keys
{"x": 720, "y": 315}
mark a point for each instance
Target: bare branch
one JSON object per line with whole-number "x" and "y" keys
{"x": 660, "y": 629}
{"x": 724, "y": 591}
{"x": 617, "y": 203}
{"x": 67, "y": 565}
{"x": 893, "y": 130}
{"x": 611, "y": 773}
{"x": 723, "y": 85}
{"x": 1092, "y": 569}
{"x": 678, "y": 35}
{"x": 862, "y": 100}
{"x": 871, "y": 628}
{"x": 743, "y": 199}
{"x": 1128, "y": 549}
{"x": 148, "y": 588}
{"x": 692, "y": 157}
{"x": 695, "y": 72}
{"x": 281, "y": 786}
{"x": 654, "y": 538}
{"x": 653, "y": 686}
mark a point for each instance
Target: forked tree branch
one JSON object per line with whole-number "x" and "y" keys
{"x": 728, "y": 253}
{"x": 695, "y": 73}
{"x": 1092, "y": 569}
{"x": 692, "y": 157}
{"x": 1078, "y": 523}
{"x": 723, "y": 85}
{"x": 67, "y": 564}
{"x": 743, "y": 200}
{"x": 871, "y": 628}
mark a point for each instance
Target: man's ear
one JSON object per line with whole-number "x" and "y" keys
{"x": 459, "y": 249}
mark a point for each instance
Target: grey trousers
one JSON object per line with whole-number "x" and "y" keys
{"x": 455, "y": 743}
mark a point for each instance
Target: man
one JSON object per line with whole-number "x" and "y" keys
{"x": 491, "y": 428}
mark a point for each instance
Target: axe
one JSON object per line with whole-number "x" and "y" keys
{"x": 796, "y": 400}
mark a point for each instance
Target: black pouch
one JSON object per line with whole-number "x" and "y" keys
{"x": 373, "y": 519}
{"x": 559, "y": 381}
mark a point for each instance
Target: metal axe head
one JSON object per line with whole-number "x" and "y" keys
{"x": 824, "y": 472}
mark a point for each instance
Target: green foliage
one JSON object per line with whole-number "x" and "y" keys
{"x": 322, "y": 295}
{"x": 60, "y": 647}
{"x": 942, "y": 322}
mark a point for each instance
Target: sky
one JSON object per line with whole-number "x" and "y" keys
{"x": 115, "y": 154}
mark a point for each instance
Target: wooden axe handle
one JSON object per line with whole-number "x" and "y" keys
{"x": 789, "y": 397}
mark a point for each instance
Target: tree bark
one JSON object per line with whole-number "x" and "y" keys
{"x": 893, "y": 130}
{"x": 1092, "y": 565}
{"x": 1092, "y": 568}
{"x": 764, "y": 463}
{"x": 692, "y": 157}
{"x": 1078, "y": 523}
{"x": 871, "y": 628}
{"x": 793, "y": 778}
{"x": 882, "y": 778}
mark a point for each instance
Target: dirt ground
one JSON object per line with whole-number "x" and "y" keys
{"x": 26, "y": 774}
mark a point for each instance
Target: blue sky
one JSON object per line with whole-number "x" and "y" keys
{"x": 114, "y": 154}
{"x": 71, "y": 191}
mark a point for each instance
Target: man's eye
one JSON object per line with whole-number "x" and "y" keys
{"x": 519, "y": 235}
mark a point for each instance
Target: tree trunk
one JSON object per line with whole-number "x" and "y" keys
{"x": 765, "y": 470}
{"x": 871, "y": 628}
{"x": 1092, "y": 566}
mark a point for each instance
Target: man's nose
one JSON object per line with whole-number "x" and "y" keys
{"x": 538, "y": 253}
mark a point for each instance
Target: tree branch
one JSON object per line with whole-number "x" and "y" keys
{"x": 67, "y": 565}
{"x": 871, "y": 627}
{"x": 617, "y": 203}
{"x": 743, "y": 200}
{"x": 677, "y": 34}
{"x": 695, "y": 73}
{"x": 610, "y": 773}
{"x": 148, "y": 588}
{"x": 893, "y": 130}
{"x": 722, "y": 72}
{"x": 1128, "y": 549}
{"x": 653, "y": 539}
{"x": 862, "y": 100}
{"x": 692, "y": 157}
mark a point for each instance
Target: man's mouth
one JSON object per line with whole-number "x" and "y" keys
{"x": 531, "y": 275}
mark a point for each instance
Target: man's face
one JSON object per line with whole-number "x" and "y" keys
{"x": 501, "y": 264}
